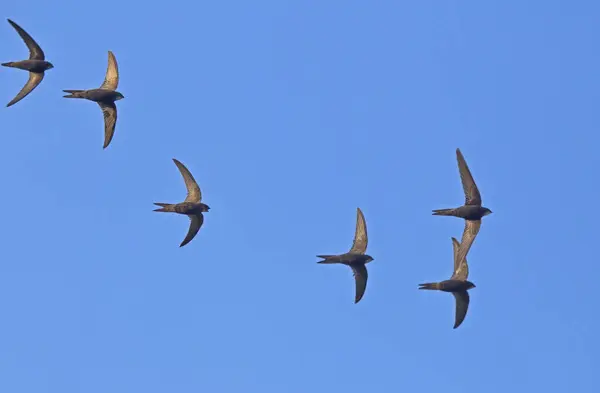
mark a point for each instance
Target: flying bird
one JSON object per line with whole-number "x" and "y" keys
{"x": 356, "y": 257}
{"x": 471, "y": 211}
{"x": 36, "y": 64}
{"x": 192, "y": 206}
{"x": 458, "y": 285}
{"x": 105, "y": 96}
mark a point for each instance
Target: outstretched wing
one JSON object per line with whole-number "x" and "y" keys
{"x": 35, "y": 52}
{"x": 111, "y": 80}
{"x": 110, "y": 120}
{"x": 193, "y": 191}
{"x": 468, "y": 237}
{"x": 34, "y": 79}
{"x": 472, "y": 196}
{"x": 360, "y": 276}
{"x": 196, "y": 222}
{"x": 462, "y": 305}
{"x": 461, "y": 268}
{"x": 359, "y": 246}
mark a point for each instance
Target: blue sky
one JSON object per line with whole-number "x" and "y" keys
{"x": 290, "y": 114}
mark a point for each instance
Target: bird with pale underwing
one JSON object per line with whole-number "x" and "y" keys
{"x": 356, "y": 258}
{"x": 192, "y": 206}
{"x": 472, "y": 211}
{"x": 36, "y": 64}
{"x": 105, "y": 96}
{"x": 458, "y": 285}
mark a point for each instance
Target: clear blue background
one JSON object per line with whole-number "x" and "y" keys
{"x": 290, "y": 114}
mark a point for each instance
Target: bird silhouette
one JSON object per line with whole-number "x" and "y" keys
{"x": 36, "y": 64}
{"x": 356, "y": 257}
{"x": 458, "y": 285}
{"x": 472, "y": 211}
{"x": 191, "y": 207}
{"x": 105, "y": 96}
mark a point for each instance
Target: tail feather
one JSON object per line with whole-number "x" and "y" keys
{"x": 74, "y": 93}
{"x": 429, "y": 285}
{"x": 444, "y": 212}
{"x": 9, "y": 64}
{"x": 165, "y": 207}
{"x": 327, "y": 258}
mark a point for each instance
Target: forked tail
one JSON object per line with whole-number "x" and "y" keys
{"x": 165, "y": 207}
{"x": 74, "y": 93}
{"x": 444, "y": 212}
{"x": 429, "y": 285}
{"x": 327, "y": 258}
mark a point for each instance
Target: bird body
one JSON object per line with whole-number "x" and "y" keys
{"x": 468, "y": 212}
{"x": 449, "y": 285}
{"x": 31, "y": 65}
{"x": 187, "y": 208}
{"x": 346, "y": 259}
{"x": 96, "y": 95}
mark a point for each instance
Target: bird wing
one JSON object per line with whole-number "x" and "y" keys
{"x": 360, "y": 276}
{"x": 196, "y": 222}
{"x": 468, "y": 237}
{"x": 110, "y": 120}
{"x": 472, "y": 196}
{"x": 34, "y": 79}
{"x": 193, "y": 191}
{"x": 35, "y": 52}
{"x": 359, "y": 246}
{"x": 462, "y": 305}
{"x": 111, "y": 80}
{"x": 461, "y": 268}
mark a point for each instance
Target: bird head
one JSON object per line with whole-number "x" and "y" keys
{"x": 118, "y": 96}
{"x": 368, "y": 258}
{"x": 49, "y": 65}
{"x": 206, "y": 208}
{"x": 486, "y": 211}
{"x": 470, "y": 285}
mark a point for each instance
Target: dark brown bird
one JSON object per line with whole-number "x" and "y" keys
{"x": 457, "y": 285}
{"x": 105, "y": 96}
{"x": 471, "y": 211}
{"x": 191, "y": 207}
{"x": 36, "y": 64}
{"x": 356, "y": 257}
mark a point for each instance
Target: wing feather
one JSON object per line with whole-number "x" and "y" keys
{"x": 461, "y": 269}
{"x": 109, "y": 111}
{"x": 193, "y": 190}
{"x": 111, "y": 79}
{"x": 468, "y": 237}
{"x": 35, "y": 78}
{"x": 359, "y": 246}
{"x": 472, "y": 196}
{"x": 462, "y": 305}
{"x": 360, "y": 276}
{"x": 196, "y": 222}
{"x": 35, "y": 52}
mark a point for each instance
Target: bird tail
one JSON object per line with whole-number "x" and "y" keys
{"x": 165, "y": 207}
{"x": 429, "y": 285}
{"x": 444, "y": 212}
{"x": 327, "y": 259}
{"x": 74, "y": 93}
{"x": 9, "y": 64}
